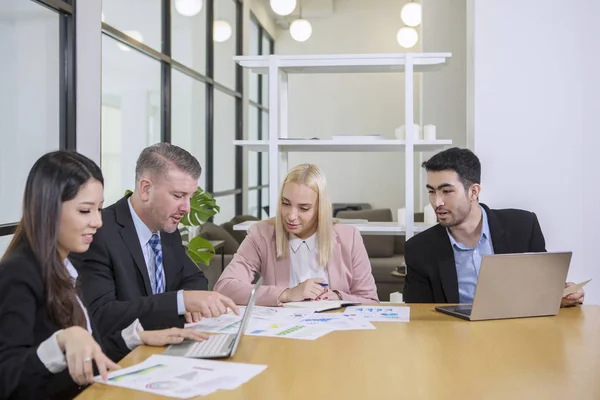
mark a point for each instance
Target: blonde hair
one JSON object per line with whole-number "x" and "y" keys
{"x": 311, "y": 176}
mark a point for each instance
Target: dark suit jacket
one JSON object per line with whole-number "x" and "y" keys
{"x": 114, "y": 276}
{"x": 24, "y": 325}
{"x": 430, "y": 268}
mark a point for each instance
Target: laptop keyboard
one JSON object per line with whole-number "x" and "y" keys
{"x": 213, "y": 345}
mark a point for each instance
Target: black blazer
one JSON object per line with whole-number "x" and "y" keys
{"x": 24, "y": 325}
{"x": 430, "y": 268}
{"x": 114, "y": 276}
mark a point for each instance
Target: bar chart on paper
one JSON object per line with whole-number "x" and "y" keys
{"x": 379, "y": 314}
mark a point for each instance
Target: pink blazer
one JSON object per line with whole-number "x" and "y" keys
{"x": 349, "y": 268}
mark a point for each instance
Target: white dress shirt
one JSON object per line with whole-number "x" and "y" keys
{"x": 304, "y": 260}
{"x": 144, "y": 235}
{"x": 49, "y": 351}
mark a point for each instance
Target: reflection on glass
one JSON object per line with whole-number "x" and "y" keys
{"x": 188, "y": 130}
{"x": 29, "y": 96}
{"x": 141, "y": 16}
{"x": 266, "y": 49}
{"x": 227, "y": 204}
{"x": 224, "y": 135}
{"x": 224, "y": 51}
{"x": 265, "y": 203}
{"x": 188, "y": 39}
{"x": 130, "y": 114}
{"x": 253, "y": 203}
{"x": 254, "y": 41}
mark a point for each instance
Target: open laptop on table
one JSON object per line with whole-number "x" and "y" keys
{"x": 220, "y": 345}
{"x": 516, "y": 286}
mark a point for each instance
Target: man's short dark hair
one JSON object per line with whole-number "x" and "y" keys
{"x": 462, "y": 161}
{"x": 158, "y": 158}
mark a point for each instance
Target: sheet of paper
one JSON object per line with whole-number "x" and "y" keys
{"x": 182, "y": 377}
{"x": 226, "y": 323}
{"x": 379, "y": 313}
{"x": 319, "y": 305}
{"x": 573, "y": 288}
{"x": 337, "y": 322}
{"x": 280, "y": 314}
{"x": 288, "y": 330}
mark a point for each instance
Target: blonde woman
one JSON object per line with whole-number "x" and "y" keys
{"x": 301, "y": 253}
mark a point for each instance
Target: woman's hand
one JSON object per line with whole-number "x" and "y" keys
{"x": 170, "y": 336}
{"x": 310, "y": 289}
{"x": 329, "y": 295}
{"x": 80, "y": 349}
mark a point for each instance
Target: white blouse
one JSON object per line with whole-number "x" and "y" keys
{"x": 304, "y": 260}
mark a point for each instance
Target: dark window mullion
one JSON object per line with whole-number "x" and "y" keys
{"x": 239, "y": 112}
{"x": 67, "y": 79}
{"x": 210, "y": 93}
{"x": 165, "y": 132}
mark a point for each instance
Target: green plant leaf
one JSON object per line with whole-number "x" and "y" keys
{"x": 202, "y": 207}
{"x": 200, "y": 250}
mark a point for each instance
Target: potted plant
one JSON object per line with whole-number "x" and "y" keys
{"x": 202, "y": 207}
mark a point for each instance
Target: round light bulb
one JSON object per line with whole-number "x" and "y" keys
{"x": 188, "y": 8}
{"x": 407, "y": 37}
{"x": 300, "y": 30}
{"x": 221, "y": 30}
{"x": 134, "y": 35}
{"x": 411, "y": 14}
{"x": 283, "y": 7}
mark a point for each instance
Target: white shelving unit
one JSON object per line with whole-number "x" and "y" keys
{"x": 277, "y": 67}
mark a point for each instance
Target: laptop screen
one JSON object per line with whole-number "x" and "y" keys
{"x": 247, "y": 315}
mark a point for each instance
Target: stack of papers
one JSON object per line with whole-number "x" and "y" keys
{"x": 181, "y": 377}
{"x": 320, "y": 305}
{"x": 301, "y": 320}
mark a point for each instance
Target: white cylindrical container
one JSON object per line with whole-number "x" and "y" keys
{"x": 402, "y": 216}
{"x": 400, "y": 133}
{"x": 429, "y": 217}
{"x": 429, "y": 132}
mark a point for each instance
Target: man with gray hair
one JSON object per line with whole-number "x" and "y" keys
{"x": 136, "y": 268}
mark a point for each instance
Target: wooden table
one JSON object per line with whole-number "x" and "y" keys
{"x": 435, "y": 356}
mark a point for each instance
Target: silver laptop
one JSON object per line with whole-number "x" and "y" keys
{"x": 220, "y": 345}
{"x": 516, "y": 286}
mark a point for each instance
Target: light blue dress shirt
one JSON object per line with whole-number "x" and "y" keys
{"x": 468, "y": 261}
{"x": 144, "y": 235}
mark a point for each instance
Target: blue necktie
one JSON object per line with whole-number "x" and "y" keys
{"x": 159, "y": 272}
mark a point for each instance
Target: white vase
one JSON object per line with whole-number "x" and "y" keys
{"x": 400, "y": 133}
{"x": 429, "y": 132}
{"x": 429, "y": 217}
{"x": 402, "y": 216}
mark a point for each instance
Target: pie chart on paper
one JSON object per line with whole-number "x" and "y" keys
{"x": 162, "y": 385}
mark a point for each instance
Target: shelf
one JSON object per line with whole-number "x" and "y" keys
{"x": 369, "y": 228}
{"x": 342, "y": 145}
{"x": 253, "y": 145}
{"x": 345, "y": 63}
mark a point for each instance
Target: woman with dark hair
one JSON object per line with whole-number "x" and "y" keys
{"x": 47, "y": 349}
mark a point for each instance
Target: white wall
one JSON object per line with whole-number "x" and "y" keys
{"x": 445, "y": 91}
{"x": 591, "y": 143}
{"x": 324, "y": 105}
{"x": 534, "y": 96}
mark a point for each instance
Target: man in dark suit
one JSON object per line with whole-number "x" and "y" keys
{"x": 136, "y": 267}
{"x": 442, "y": 263}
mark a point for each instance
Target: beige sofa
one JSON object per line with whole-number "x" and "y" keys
{"x": 232, "y": 239}
{"x": 386, "y": 253}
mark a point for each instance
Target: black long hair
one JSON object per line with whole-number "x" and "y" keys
{"x": 54, "y": 179}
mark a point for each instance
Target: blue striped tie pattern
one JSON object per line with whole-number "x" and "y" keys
{"x": 159, "y": 272}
